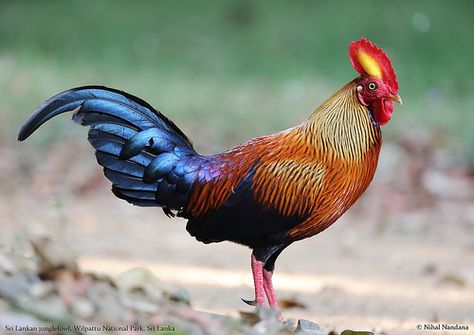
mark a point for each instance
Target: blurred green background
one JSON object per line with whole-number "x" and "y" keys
{"x": 227, "y": 70}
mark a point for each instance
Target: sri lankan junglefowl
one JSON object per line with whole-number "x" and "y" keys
{"x": 265, "y": 193}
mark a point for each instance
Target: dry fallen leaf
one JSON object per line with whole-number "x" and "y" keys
{"x": 453, "y": 279}
{"x": 291, "y": 303}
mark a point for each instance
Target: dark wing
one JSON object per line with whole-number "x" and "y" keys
{"x": 243, "y": 220}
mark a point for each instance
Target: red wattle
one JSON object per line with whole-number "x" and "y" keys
{"x": 382, "y": 111}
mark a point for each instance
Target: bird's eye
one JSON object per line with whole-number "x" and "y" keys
{"x": 372, "y": 86}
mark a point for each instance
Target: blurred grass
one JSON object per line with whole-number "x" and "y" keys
{"x": 227, "y": 70}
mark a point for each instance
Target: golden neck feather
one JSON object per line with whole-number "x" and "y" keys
{"x": 343, "y": 125}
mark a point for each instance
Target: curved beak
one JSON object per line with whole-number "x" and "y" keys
{"x": 396, "y": 98}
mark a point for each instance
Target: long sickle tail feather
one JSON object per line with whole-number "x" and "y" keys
{"x": 146, "y": 156}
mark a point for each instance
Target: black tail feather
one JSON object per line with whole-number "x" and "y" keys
{"x": 139, "y": 148}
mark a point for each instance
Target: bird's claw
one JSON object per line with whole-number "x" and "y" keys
{"x": 249, "y": 302}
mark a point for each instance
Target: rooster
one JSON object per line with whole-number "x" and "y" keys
{"x": 266, "y": 193}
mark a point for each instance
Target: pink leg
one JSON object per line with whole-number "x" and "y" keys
{"x": 268, "y": 286}
{"x": 258, "y": 281}
{"x": 270, "y": 292}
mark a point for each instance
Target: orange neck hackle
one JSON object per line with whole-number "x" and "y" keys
{"x": 343, "y": 125}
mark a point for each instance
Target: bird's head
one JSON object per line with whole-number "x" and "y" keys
{"x": 377, "y": 86}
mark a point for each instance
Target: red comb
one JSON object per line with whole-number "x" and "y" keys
{"x": 377, "y": 54}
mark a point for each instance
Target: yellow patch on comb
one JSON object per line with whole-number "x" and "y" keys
{"x": 369, "y": 64}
